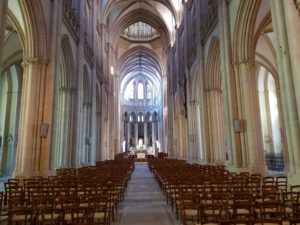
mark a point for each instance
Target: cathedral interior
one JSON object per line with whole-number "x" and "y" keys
{"x": 207, "y": 82}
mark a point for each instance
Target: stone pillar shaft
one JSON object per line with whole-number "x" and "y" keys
{"x": 3, "y": 16}
{"x": 252, "y": 149}
{"x": 287, "y": 85}
{"x": 128, "y": 135}
{"x": 154, "y": 135}
{"x": 145, "y": 134}
{"x": 30, "y": 159}
{"x": 136, "y": 134}
{"x": 230, "y": 109}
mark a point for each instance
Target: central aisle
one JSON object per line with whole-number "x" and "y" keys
{"x": 144, "y": 203}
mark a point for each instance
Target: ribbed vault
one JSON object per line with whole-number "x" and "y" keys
{"x": 140, "y": 63}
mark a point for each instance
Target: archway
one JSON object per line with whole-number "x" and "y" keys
{"x": 270, "y": 120}
{"x": 11, "y": 81}
{"x": 64, "y": 103}
{"x": 215, "y": 138}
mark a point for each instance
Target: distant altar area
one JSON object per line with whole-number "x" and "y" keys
{"x": 141, "y": 152}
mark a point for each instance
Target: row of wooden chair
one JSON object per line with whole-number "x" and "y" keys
{"x": 211, "y": 194}
{"x": 88, "y": 195}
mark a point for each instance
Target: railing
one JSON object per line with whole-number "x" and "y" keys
{"x": 139, "y": 36}
{"x": 274, "y": 162}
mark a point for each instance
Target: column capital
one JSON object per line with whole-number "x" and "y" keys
{"x": 34, "y": 60}
{"x": 246, "y": 62}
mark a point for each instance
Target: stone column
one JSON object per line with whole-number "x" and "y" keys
{"x": 228, "y": 81}
{"x": 145, "y": 134}
{"x": 3, "y": 16}
{"x": 159, "y": 131}
{"x": 31, "y": 160}
{"x": 198, "y": 135}
{"x": 251, "y": 138}
{"x": 218, "y": 127}
{"x": 136, "y": 134}
{"x": 287, "y": 85}
{"x": 154, "y": 136}
{"x": 128, "y": 135}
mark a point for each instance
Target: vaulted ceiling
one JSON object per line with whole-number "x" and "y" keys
{"x": 163, "y": 15}
{"x": 136, "y": 58}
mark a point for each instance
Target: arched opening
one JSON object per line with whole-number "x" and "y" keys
{"x": 140, "y": 99}
{"x": 11, "y": 81}
{"x": 99, "y": 122}
{"x": 86, "y": 157}
{"x": 64, "y": 103}
{"x": 270, "y": 120}
{"x": 215, "y": 135}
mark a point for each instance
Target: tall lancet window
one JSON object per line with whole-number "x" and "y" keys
{"x": 140, "y": 90}
{"x": 129, "y": 91}
{"x": 149, "y": 91}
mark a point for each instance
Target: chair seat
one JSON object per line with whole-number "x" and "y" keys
{"x": 99, "y": 215}
{"x": 19, "y": 218}
{"x": 191, "y": 212}
{"x": 3, "y": 218}
{"x": 49, "y": 217}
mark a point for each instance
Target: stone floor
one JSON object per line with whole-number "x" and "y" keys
{"x": 144, "y": 203}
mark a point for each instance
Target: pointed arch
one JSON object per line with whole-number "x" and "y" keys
{"x": 215, "y": 141}
{"x": 67, "y": 79}
{"x": 87, "y": 94}
{"x": 213, "y": 73}
{"x": 35, "y": 29}
{"x": 244, "y": 47}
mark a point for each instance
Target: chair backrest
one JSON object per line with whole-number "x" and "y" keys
{"x": 295, "y": 188}
{"x": 83, "y": 215}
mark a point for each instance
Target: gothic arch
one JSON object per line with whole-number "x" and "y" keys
{"x": 147, "y": 51}
{"x": 140, "y": 15}
{"x": 87, "y": 94}
{"x": 68, "y": 79}
{"x": 213, "y": 73}
{"x": 265, "y": 60}
{"x": 244, "y": 47}
{"x": 63, "y": 131}
{"x": 35, "y": 30}
{"x": 215, "y": 140}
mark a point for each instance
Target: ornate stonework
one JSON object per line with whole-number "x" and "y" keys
{"x": 209, "y": 20}
{"x": 88, "y": 52}
{"x": 71, "y": 20}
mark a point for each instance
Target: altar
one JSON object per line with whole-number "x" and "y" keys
{"x": 140, "y": 155}
{"x": 141, "y": 152}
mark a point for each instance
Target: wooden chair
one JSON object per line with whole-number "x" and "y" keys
{"x": 100, "y": 204}
{"x": 295, "y": 219}
{"x": 295, "y": 188}
{"x": 3, "y": 209}
{"x": 242, "y": 207}
{"x": 20, "y": 215}
{"x": 46, "y": 212}
{"x": 289, "y": 198}
{"x": 19, "y": 212}
{"x": 65, "y": 204}
{"x": 189, "y": 207}
{"x": 82, "y": 215}
{"x": 282, "y": 182}
{"x": 214, "y": 208}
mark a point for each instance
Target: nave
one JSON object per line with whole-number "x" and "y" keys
{"x": 144, "y": 202}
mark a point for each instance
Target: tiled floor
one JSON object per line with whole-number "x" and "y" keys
{"x": 144, "y": 202}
